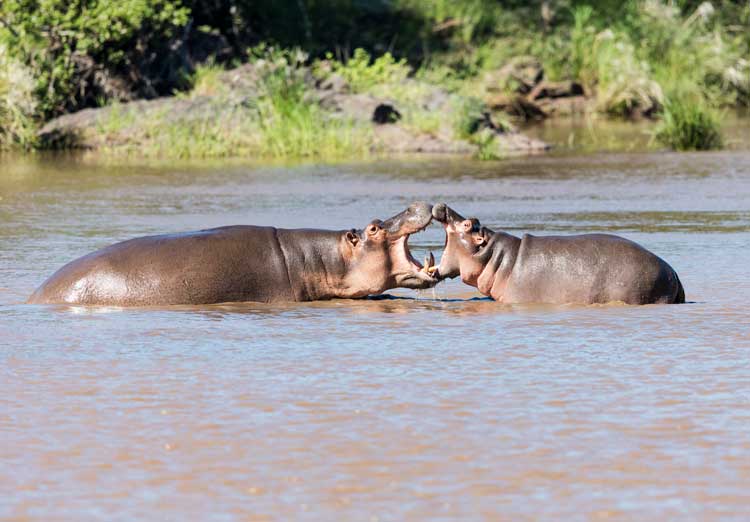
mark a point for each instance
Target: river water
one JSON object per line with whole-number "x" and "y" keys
{"x": 437, "y": 405}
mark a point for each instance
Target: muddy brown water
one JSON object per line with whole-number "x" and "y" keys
{"x": 424, "y": 406}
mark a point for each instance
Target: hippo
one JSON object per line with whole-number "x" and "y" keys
{"x": 584, "y": 269}
{"x": 246, "y": 263}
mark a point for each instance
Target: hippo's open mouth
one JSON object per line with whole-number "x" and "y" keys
{"x": 407, "y": 271}
{"x": 415, "y": 274}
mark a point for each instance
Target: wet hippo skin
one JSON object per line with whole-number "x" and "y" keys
{"x": 245, "y": 263}
{"x": 589, "y": 268}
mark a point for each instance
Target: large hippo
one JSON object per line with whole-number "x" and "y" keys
{"x": 588, "y": 268}
{"x": 246, "y": 263}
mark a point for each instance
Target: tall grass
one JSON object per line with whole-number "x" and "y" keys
{"x": 17, "y": 103}
{"x": 689, "y": 125}
{"x": 291, "y": 125}
{"x": 206, "y": 80}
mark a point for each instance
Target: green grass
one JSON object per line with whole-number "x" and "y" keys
{"x": 206, "y": 80}
{"x": 116, "y": 120}
{"x": 689, "y": 125}
{"x": 280, "y": 123}
{"x": 362, "y": 73}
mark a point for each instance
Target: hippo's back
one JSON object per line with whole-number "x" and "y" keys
{"x": 590, "y": 268}
{"x": 238, "y": 263}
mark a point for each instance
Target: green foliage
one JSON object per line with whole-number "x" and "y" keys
{"x": 689, "y": 125}
{"x": 17, "y": 103}
{"x": 487, "y": 147}
{"x": 76, "y": 47}
{"x": 362, "y": 75}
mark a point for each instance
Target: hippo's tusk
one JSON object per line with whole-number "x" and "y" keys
{"x": 429, "y": 263}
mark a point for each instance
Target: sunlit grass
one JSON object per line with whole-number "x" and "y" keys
{"x": 206, "y": 80}
{"x": 689, "y": 125}
{"x": 280, "y": 123}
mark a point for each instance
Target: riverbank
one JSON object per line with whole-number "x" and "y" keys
{"x": 276, "y": 107}
{"x": 177, "y": 79}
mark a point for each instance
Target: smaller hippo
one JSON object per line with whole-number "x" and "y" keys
{"x": 585, "y": 269}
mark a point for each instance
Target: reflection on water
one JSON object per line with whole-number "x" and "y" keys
{"x": 598, "y": 133}
{"x": 439, "y": 404}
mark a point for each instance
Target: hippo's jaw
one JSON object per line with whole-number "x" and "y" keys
{"x": 407, "y": 271}
{"x": 449, "y": 266}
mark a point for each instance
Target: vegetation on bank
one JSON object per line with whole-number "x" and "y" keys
{"x": 276, "y": 111}
{"x": 18, "y": 104}
{"x": 676, "y": 61}
{"x": 276, "y": 122}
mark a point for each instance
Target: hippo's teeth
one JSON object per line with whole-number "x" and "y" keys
{"x": 429, "y": 263}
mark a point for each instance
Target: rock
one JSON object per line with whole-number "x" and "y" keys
{"x": 395, "y": 138}
{"x": 515, "y": 144}
{"x": 334, "y": 82}
{"x": 83, "y": 129}
{"x": 547, "y": 89}
{"x": 385, "y": 113}
{"x": 360, "y": 107}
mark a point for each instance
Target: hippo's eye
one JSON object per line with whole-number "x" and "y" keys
{"x": 467, "y": 225}
{"x": 373, "y": 229}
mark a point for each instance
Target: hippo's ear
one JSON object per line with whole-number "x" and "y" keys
{"x": 352, "y": 237}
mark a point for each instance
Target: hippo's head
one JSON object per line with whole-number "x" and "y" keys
{"x": 465, "y": 241}
{"x": 379, "y": 258}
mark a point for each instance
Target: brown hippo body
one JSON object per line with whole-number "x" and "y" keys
{"x": 589, "y": 268}
{"x": 245, "y": 263}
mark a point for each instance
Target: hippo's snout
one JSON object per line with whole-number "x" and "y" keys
{"x": 444, "y": 214}
{"x": 439, "y": 212}
{"x": 415, "y": 218}
{"x": 420, "y": 209}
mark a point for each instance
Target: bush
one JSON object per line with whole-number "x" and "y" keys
{"x": 82, "y": 51}
{"x": 17, "y": 102}
{"x": 689, "y": 125}
{"x": 362, "y": 75}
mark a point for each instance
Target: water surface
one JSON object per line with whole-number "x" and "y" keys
{"x": 439, "y": 405}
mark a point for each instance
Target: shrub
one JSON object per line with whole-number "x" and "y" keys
{"x": 363, "y": 75}
{"x": 689, "y": 125}
{"x": 624, "y": 85}
{"x": 17, "y": 102}
{"x": 81, "y": 50}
